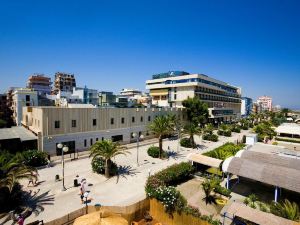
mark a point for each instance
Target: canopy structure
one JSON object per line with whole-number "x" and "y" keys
{"x": 289, "y": 128}
{"x": 18, "y": 132}
{"x": 278, "y": 176}
{"x": 274, "y": 159}
{"x": 205, "y": 160}
{"x": 256, "y": 216}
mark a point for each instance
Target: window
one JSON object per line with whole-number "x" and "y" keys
{"x": 27, "y": 98}
{"x": 94, "y": 122}
{"x": 91, "y": 141}
{"x": 56, "y": 123}
{"x": 132, "y": 119}
{"x": 156, "y": 97}
{"x": 73, "y": 123}
{"x": 102, "y": 139}
{"x": 149, "y": 118}
{"x": 175, "y": 96}
{"x": 122, "y": 120}
{"x": 163, "y": 97}
{"x": 84, "y": 142}
{"x": 111, "y": 120}
{"x": 97, "y": 139}
{"x": 142, "y": 119}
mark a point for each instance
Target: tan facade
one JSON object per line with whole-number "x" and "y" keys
{"x": 85, "y": 126}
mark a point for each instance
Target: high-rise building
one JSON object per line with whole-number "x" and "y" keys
{"x": 246, "y": 106}
{"x": 64, "y": 82}
{"x": 40, "y": 83}
{"x": 265, "y": 102}
{"x": 172, "y": 88}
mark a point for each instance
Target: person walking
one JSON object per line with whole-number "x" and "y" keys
{"x": 20, "y": 220}
{"x": 82, "y": 190}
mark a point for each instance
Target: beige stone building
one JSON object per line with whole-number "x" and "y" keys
{"x": 79, "y": 128}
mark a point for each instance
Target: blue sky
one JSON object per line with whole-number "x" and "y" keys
{"x": 110, "y": 45}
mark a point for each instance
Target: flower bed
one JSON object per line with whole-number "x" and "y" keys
{"x": 160, "y": 186}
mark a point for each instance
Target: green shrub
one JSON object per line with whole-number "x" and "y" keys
{"x": 246, "y": 201}
{"x": 245, "y": 127}
{"x": 186, "y": 142}
{"x": 287, "y": 140}
{"x": 153, "y": 151}
{"x": 210, "y": 137}
{"x": 172, "y": 175}
{"x": 223, "y": 191}
{"x": 225, "y": 151}
{"x": 35, "y": 158}
{"x": 98, "y": 166}
{"x": 236, "y": 129}
{"x": 226, "y": 133}
{"x": 275, "y": 143}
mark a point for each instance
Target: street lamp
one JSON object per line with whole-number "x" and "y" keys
{"x": 64, "y": 149}
{"x": 137, "y": 146}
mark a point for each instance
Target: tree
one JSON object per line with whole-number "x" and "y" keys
{"x": 107, "y": 149}
{"x": 191, "y": 129}
{"x": 197, "y": 111}
{"x": 285, "y": 111}
{"x": 286, "y": 209}
{"x": 12, "y": 170}
{"x": 208, "y": 186}
{"x": 162, "y": 126}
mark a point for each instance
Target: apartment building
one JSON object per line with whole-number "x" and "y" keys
{"x": 22, "y": 97}
{"x": 106, "y": 98}
{"x": 130, "y": 92}
{"x": 79, "y": 128}
{"x": 40, "y": 83}
{"x": 64, "y": 82}
{"x": 265, "y": 102}
{"x": 86, "y": 95}
{"x": 171, "y": 88}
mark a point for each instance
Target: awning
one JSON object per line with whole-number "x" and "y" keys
{"x": 256, "y": 216}
{"x": 17, "y": 133}
{"x": 158, "y": 92}
{"x": 205, "y": 160}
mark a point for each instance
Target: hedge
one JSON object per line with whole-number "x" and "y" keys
{"x": 210, "y": 137}
{"x": 186, "y": 142}
{"x": 153, "y": 151}
{"x": 287, "y": 140}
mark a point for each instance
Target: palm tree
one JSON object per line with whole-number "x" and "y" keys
{"x": 286, "y": 209}
{"x": 12, "y": 170}
{"x": 161, "y": 126}
{"x": 107, "y": 149}
{"x": 191, "y": 129}
{"x": 208, "y": 186}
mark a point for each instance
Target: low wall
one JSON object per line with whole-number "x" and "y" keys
{"x": 130, "y": 213}
{"x": 157, "y": 211}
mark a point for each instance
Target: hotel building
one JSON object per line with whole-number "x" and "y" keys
{"x": 265, "y": 102}
{"x": 171, "y": 88}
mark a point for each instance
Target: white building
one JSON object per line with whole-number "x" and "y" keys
{"x": 172, "y": 88}
{"x": 130, "y": 92}
{"x": 265, "y": 102}
{"x": 22, "y": 97}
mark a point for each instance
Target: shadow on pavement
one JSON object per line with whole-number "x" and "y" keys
{"x": 124, "y": 171}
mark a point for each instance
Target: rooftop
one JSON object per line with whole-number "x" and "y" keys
{"x": 289, "y": 128}
{"x": 15, "y": 133}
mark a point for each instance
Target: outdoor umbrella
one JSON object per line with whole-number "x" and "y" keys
{"x": 101, "y": 217}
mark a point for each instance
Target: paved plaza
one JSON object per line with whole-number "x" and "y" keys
{"x": 125, "y": 189}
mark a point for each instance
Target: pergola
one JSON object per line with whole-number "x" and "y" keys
{"x": 204, "y": 160}
{"x": 275, "y": 170}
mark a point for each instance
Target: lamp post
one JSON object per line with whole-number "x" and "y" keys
{"x": 137, "y": 146}
{"x": 63, "y": 148}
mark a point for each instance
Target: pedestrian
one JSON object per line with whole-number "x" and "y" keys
{"x": 168, "y": 148}
{"x": 82, "y": 189}
{"x": 20, "y": 220}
